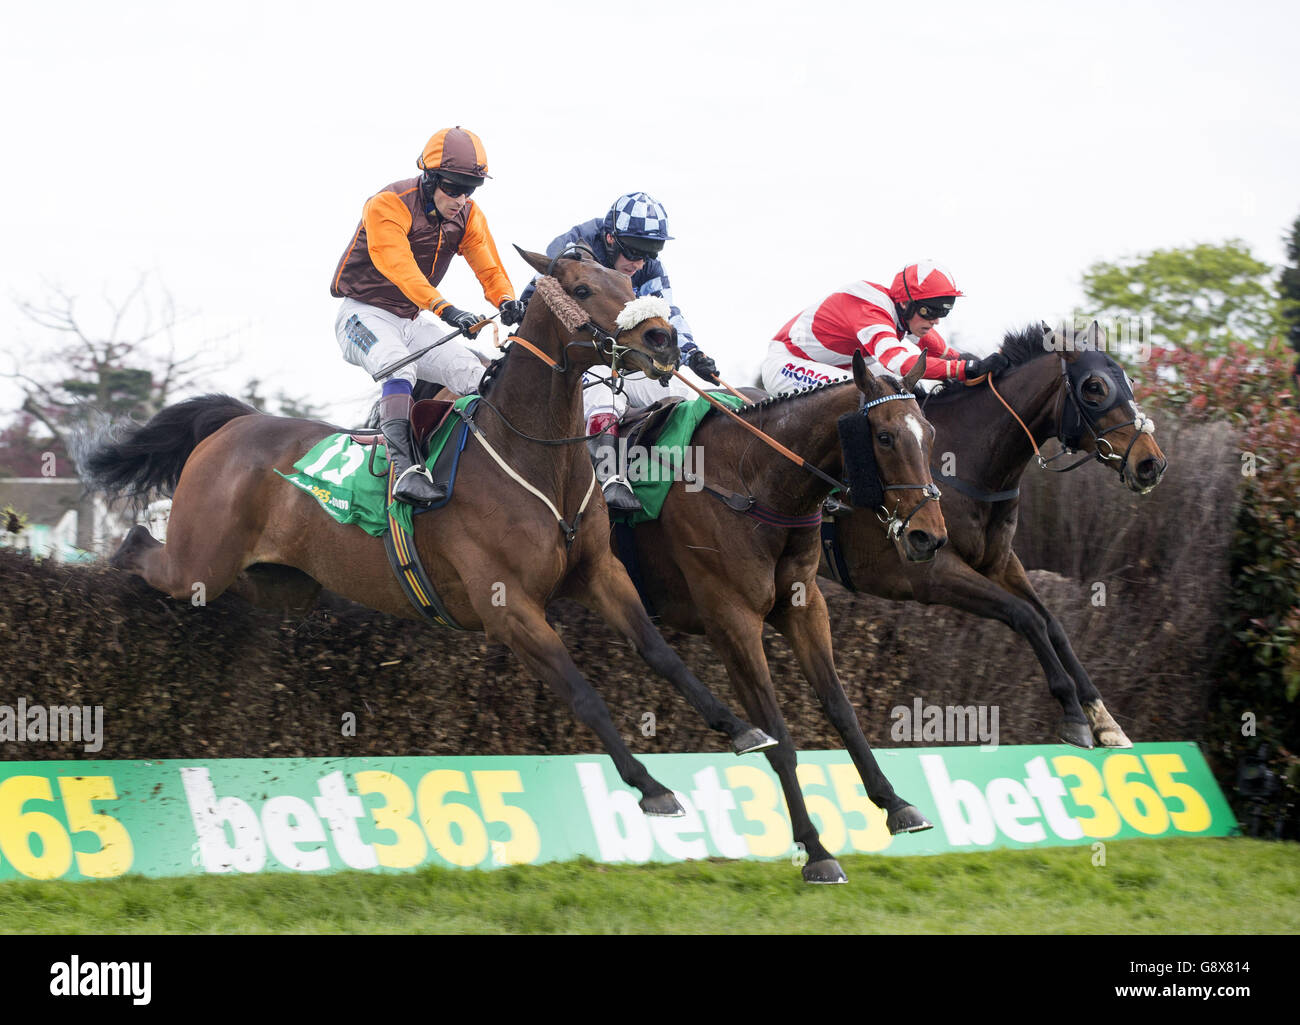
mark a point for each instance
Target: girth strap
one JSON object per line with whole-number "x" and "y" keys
{"x": 406, "y": 564}
{"x": 839, "y": 569}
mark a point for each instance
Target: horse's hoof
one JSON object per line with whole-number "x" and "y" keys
{"x": 1113, "y": 736}
{"x": 825, "y": 871}
{"x": 752, "y": 740}
{"x": 664, "y": 805}
{"x": 907, "y": 820}
{"x": 1078, "y": 734}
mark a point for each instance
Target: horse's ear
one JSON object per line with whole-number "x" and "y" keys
{"x": 864, "y": 378}
{"x": 536, "y": 261}
{"x": 1096, "y": 337}
{"x": 916, "y": 373}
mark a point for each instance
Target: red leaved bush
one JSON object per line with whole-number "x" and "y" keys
{"x": 1255, "y": 389}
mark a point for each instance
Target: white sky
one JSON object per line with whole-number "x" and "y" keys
{"x": 797, "y": 146}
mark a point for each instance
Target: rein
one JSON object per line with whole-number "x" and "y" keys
{"x": 1099, "y": 439}
{"x": 563, "y": 309}
{"x": 750, "y": 506}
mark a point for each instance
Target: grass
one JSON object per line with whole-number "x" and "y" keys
{"x": 1230, "y": 886}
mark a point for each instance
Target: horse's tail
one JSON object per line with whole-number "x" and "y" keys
{"x": 134, "y": 460}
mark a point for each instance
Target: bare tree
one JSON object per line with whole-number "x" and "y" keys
{"x": 127, "y": 363}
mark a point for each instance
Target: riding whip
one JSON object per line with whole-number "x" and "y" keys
{"x": 384, "y": 372}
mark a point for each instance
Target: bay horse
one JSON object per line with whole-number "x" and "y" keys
{"x": 1080, "y": 398}
{"x": 494, "y": 554}
{"x": 705, "y": 568}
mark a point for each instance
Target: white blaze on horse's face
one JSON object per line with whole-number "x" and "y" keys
{"x": 914, "y": 426}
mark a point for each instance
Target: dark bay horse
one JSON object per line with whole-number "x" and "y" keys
{"x": 706, "y": 568}
{"x": 1079, "y": 396}
{"x": 495, "y": 554}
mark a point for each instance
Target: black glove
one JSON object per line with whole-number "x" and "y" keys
{"x": 459, "y": 318}
{"x": 702, "y": 365}
{"x": 994, "y": 364}
{"x": 512, "y": 312}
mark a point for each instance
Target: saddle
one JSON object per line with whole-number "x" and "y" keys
{"x": 427, "y": 416}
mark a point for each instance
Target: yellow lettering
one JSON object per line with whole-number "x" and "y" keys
{"x": 116, "y": 852}
{"x": 394, "y": 817}
{"x": 1195, "y": 816}
{"x": 775, "y": 838}
{"x": 17, "y": 827}
{"x": 438, "y": 815}
{"x": 525, "y": 844}
{"x": 1103, "y": 822}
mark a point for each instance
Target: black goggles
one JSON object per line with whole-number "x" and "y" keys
{"x": 934, "y": 309}
{"x": 454, "y": 189}
{"x": 632, "y": 253}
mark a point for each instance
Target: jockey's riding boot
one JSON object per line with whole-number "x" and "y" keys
{"x": 413, "y": 484}
{"x": 619, "y": 495}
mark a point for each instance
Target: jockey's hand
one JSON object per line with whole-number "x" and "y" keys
{"x": 512, "y": 312}
{"x": 459, "y": 318}
{"x": 702, "y": 365}
{"x": 994, "y": 364}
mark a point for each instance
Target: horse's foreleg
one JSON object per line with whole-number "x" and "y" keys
{"x": 807, "y": 627}
{"x": 610, "y": 594}
{"x": 524, "y": 628}
{"x": 950, "y": 581}
{"x": 1104, "y": 727}
{"x": 737, "y": 636}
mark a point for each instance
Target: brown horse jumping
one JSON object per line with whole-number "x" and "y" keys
{"x": 495, "y": 554}
{"x": 1079, "y": 396}
{"x": 708, "y": 569}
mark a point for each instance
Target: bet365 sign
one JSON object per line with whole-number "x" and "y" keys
{"x": 98, "y": 820}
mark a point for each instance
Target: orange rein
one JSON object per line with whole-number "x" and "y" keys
{"x": 797, "y": 460}
{"x": 1009, "y": 410}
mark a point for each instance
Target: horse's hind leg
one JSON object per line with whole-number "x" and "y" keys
{"x": 612, "y": 596}
{"x": 530, "y": 637}
{"x": 950, "y": 581}
{"x": 807, "y": 628}
{"x": 200, "y": 570}
{"x": 737, "y": 636}
{"x": 1107, "y": 731}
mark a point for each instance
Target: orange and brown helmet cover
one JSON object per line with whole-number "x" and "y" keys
{"x": 455, "y": 151}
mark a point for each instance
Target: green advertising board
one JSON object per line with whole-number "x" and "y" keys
{"x": 102, "y": 819}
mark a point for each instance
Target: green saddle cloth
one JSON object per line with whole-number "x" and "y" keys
{"x": 652, "y": 472}
{"x": 337, "y": 472}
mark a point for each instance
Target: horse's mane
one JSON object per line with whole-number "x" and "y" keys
{"x": 1019, "y": 347}
{"x": 803, "y": 393}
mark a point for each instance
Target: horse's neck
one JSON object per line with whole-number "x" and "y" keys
{"x": 807, "y": 426}
{"x": 535, "y": 399}
{"x": 995, "y": 448}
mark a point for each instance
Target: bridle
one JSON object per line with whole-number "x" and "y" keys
{"x": 1070, "y": 434}
{"x": 894, "y": 525}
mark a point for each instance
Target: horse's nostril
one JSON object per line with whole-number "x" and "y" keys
{"x": 921, "y": 540}
{"x": 656, "y": 337}
{"x": 1149, "y": 470}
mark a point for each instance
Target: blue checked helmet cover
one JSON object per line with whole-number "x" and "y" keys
{"x": 637, "y": 215}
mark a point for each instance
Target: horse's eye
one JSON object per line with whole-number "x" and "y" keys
{"x": 885, "y": 438}
{"x": 582, "y": 292}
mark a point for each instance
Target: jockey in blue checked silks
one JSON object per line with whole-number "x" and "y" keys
{"x": 629, "y": 239}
